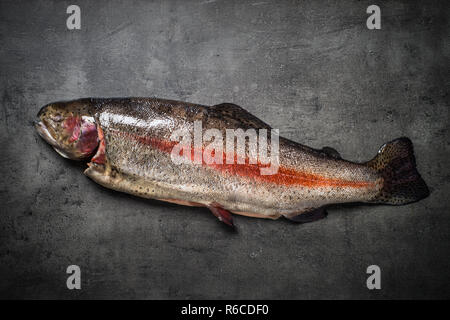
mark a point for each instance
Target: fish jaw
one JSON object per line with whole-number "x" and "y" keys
{"x": 43, "y": 131}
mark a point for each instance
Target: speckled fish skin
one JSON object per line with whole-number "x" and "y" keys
{"x": 136, "y": 132}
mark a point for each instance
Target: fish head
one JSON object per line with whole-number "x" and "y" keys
{"x": 69, "y": 127}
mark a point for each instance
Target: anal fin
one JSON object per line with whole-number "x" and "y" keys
{"x": 221, "y": 214}
{"x": 308, "y": 216}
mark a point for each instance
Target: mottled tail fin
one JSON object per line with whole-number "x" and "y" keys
{"x": 402, "y": 183}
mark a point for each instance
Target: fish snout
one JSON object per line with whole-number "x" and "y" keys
{"x": 45, "y": 134}
{"x": 43, "y": 131}
{"x": 72, "y": 134}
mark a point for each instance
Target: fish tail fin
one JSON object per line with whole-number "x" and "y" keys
{"x": 396, "y": 164}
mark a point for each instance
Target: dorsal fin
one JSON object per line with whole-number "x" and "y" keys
{"x": 331, "y": 152}
{"x": 237, "y": 116}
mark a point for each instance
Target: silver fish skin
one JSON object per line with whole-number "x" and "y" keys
{"x": 134, "y": 137}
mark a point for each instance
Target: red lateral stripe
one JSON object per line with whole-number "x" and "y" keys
{"x": 284, "y": 176}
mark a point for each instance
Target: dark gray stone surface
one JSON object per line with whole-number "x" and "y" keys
{"x": 310, "y": 68}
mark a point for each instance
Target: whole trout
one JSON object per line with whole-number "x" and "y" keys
{"x": 131, "y": 147}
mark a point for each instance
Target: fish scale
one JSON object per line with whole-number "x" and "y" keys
{"x": 134, "y": 156}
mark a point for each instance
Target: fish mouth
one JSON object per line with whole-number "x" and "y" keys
{"x": 42, "y": 130}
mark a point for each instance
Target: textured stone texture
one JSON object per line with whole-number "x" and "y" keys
{"x": 310, "y": 68}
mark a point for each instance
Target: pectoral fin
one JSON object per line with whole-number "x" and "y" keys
{"x": 308, "y": 216}
{"x": 222, "y": 214}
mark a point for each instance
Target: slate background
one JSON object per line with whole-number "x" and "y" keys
{"x": 310, "y": 68}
